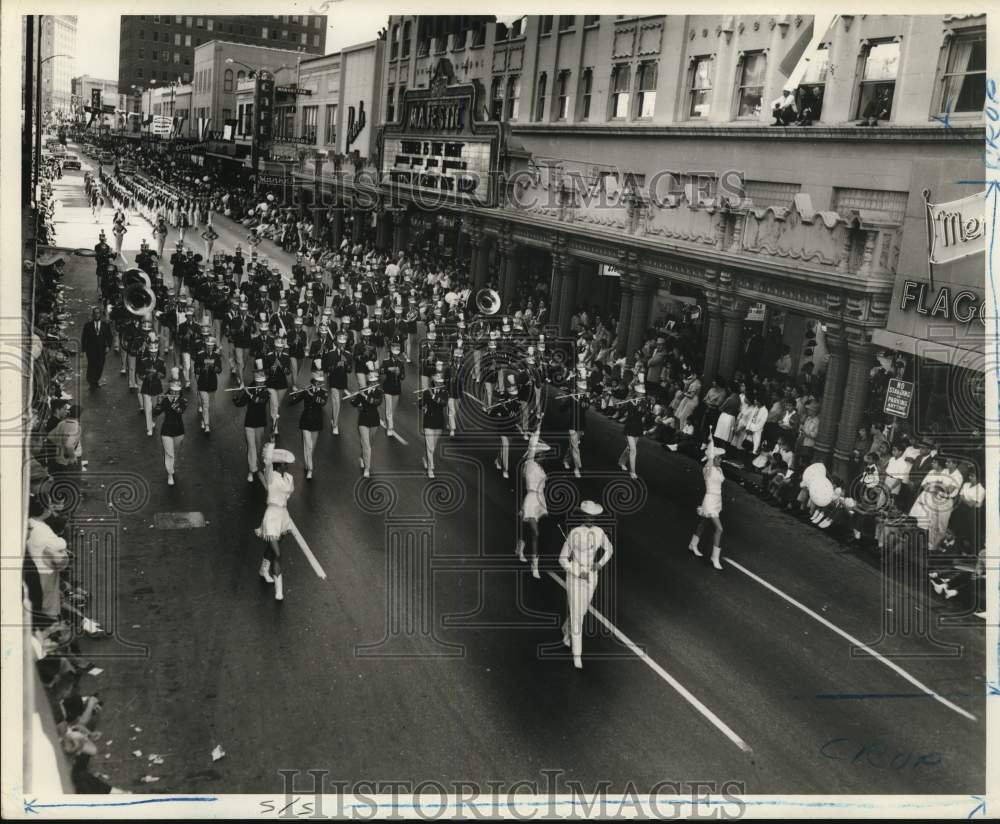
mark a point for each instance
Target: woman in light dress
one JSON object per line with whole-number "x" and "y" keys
{"x": 710, "y": 511}
{"x": 586, "y": 550}
{"x": 280, "y": 485}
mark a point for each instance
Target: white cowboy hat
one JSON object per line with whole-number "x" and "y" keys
{"x": 282, "y": 456}
{"x": 591, "y": 508}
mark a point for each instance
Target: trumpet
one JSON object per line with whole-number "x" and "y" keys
{"x": 636, "y": 399}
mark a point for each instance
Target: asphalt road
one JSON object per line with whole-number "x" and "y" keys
{"x": 429, "y": 653}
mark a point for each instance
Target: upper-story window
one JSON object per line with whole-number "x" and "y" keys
{"x": 496, "y": 98}
{"x": 513, "y": 96}
{"x": 227, "y": 80}
{"x": 404, "y": 46}
{"x": 645, "y": 84}
{"x": 877, "y": 86}
{"x": 545, "y": 23}
{"x": 540, "y": 97}
{"x": 591, "y": 20}
{"x": 750, "y": 93}
{"x": 566, "y": 22}
{"x": 394, "y": 43}
{"x": 700, "y": 87}
{"x": 240, "y": 75}
{"x": 562, "y": 95}
{"x": 586, "y": 92}
{"x": 963, "y": 82}
{"x": 620, "y": 76}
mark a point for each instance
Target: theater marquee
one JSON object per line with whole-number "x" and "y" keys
{"x": 437, "y": 150}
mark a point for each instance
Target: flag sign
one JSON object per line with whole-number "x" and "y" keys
{"x": 957, "y": 229}
{"x": 898, "y": 396}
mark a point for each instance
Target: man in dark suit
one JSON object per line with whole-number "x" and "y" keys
{"x": 95, "y": 343}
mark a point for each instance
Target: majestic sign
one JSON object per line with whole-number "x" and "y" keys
{"x": 898, "y": 396}
{"x": 291, "y": 90}
{"x": 355, "y": 123}
{"x": 437, "y": 149}
{"x": 956, "y": 229}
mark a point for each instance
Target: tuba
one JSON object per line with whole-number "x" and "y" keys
{"x": 487, "y": 301}
{"x": 138, "y": 295}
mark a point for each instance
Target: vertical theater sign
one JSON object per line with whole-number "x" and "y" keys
{"x": 438, "y": 152}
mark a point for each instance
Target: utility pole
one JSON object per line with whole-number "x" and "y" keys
{"x": 38, "y": 112}
{"x": 27, "y": 167}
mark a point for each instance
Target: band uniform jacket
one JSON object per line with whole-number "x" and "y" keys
{"x": 367, "y": 405}
{"x": 152, "y": 371}
{"x": 172, "y": 408}
{"x": 255, "y": 399}
{"x": 297, "y": 340}
{"x": 505, "y": 415}
{"x": 336, "y": 364}
{"x": 638, "y": 417}
{"x": 392, "y": 383}
{"x": 260, "y": 346}
{"x": 575, "y": 410}
{"x": 314, "y": 398}
{"x": 277, "y": 367}
{"x": 207, "y": 367}
{"x": 433, "y": 401}
{"x": 240, "y": 329}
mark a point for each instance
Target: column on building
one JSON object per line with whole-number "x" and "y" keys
{"x": 556, "y": 285}
{"x": 859, "y": 360}
{"x": 400, "y": 231}
{"x": 336, "y": 220}
{"x": 624, "y": 312}
{"x": 508, "y": 269}
{"x": 713, "y": 344}
{"x": 732, "y": 338}
{"x": 569, "y": 278}
{"x": 642, "y": 296}
{"x": 833, "y": 393}
{"x": 383, "y": 227}
{"x": 358, "y": 226}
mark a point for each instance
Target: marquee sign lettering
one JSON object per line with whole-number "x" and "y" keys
{"x": 437, "y": 149}
{"x": 960, "y": 305}
{"x": 355, "y": 123}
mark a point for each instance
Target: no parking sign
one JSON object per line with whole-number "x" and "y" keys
{"x": 898, "y": 395}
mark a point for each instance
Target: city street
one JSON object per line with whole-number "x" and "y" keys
{"x": 427, "y": 652}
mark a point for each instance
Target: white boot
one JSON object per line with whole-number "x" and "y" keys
{"x": 279, "y": 591}
{"x": 534, "y": 568}
{"x": 520, "y": 551}
{"x": 716, "y": 552}
{"x": 693, "y": 546}
{"x": 265, "y": 570}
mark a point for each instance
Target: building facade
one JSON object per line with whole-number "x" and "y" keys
{"x": 160, "y": 48}
{"x": 58, "y": 54}
{"x": 219, "y": 68}
{"x": 82, "y": 94}
{"x": 638, "y": 167}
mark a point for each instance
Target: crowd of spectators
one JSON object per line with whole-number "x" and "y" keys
{"x": 767, "y": 419}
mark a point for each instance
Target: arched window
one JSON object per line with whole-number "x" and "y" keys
{"x": 240, "y": 75}
{"x": 406, "y": 39}
{"x": 227, "y": 81}
{"x": 394, "y": 44}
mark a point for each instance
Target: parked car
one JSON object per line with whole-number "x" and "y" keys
{"x": 107, "y": 158}
{"x": 71, "y": 161}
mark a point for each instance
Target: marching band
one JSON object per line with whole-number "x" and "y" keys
{"x": 356, "y": 315}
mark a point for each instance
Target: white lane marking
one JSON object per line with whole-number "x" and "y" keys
{"x": 320, "y": 573}
{"x": 666, "y": 676}
{"x": 890, "y": 664}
